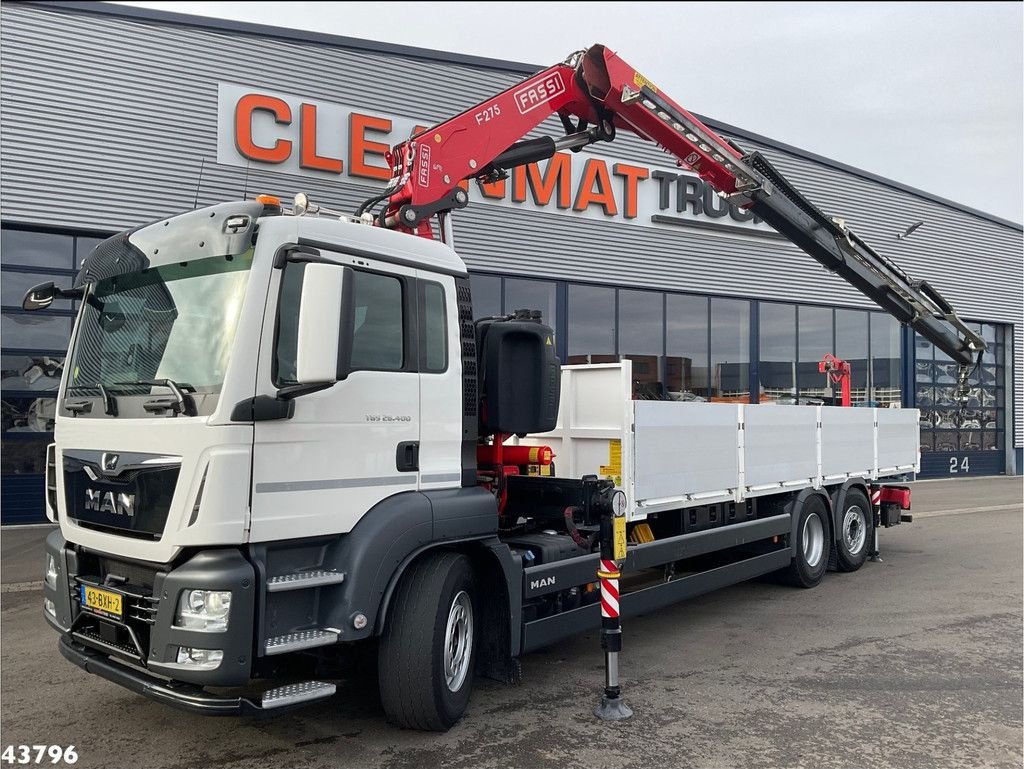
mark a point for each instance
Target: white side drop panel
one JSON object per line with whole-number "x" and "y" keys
{"x": 780, "y": 447}
{"x": 667, "y": 455}
{"x": 898, "y": 441}
{"x": 704, "y": 456}
{"x": 847, "y": 443}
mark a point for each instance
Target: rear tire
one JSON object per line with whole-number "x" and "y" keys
{"x": 855, "y": 535}
{"x": 811, "y": 549}
{"x": 428, "y": 648}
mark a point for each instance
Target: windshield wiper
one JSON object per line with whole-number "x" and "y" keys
{"x": 81, "y": 407}
{"x": 181, "y": 403}
{"x": 109, "y": 402}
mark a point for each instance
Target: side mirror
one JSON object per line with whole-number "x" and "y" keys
{"x": 39, "y": 297}
{"x": 323, "y": 353}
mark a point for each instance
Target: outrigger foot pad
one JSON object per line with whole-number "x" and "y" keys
{"x": 612, "y": 709}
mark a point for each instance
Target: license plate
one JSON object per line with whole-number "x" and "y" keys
{"x": 102, "y": 602}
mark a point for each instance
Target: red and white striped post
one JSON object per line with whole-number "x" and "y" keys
{"x": 876, "y": 505}
{"x": 612, "y": 707}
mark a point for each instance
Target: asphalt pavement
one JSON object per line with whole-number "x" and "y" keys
{"x": 912, "y": 662}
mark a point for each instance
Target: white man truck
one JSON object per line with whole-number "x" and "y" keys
{"x": 282, "y": 437}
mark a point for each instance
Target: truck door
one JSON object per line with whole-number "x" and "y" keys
{"x": 350, "y": 445}
{"x": 441, "y": 400}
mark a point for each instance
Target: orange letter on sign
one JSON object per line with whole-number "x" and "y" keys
{"x": 631, "y": 176}
{"x": 596, "y": 188}
{"x": 308, "y": 157}
{"x": 360, "y": 146}
{"x": 246, "y": 147}
{"x": 558, "y": 175}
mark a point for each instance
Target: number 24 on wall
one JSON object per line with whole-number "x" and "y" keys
{"x": 959, "y": 465}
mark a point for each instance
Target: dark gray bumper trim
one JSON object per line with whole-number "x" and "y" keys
{"x": 180, "y": 695}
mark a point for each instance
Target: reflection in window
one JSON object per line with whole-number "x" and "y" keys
{"x": 28, "y": 415}
{"x": 852, "y": 346}
{"x": 686, "y": 364}
{"x": 286, "y": 342}
{"x": 641, "y": 340}
{"x": 885, "y": 360}
{"x": 531, "y": 295}
{"x": 591, "y": 324}
{"x": 37, "y": 249}
{"x": 31, "y": 372}
{"x": 730, "y": 350}
{"x": 377, "y": 339}
{"x": 23, "y": 453}
{"x": 434, "y": 343}
{"x": 38, "y": 330}
{"x": 977, "y": 425}
{"x": 486, "y": 291}
{"x": 777, "y": 343}
{"x": 815, "y": 335}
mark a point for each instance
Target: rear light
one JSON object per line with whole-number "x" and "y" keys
{"x": 896, "y": 495}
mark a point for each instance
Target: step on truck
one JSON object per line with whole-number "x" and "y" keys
{"x": 284, "y": 440}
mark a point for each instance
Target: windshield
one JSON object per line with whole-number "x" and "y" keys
{"x": 175, "y": 322}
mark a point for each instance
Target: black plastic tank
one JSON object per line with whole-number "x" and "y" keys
{"x": 520, "y": 375}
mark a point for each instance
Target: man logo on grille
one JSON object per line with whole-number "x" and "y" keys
{"x": 109, "y": 462}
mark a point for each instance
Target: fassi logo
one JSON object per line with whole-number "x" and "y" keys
{"x": 423, "y": 175}
{"x": 534, "y": 95}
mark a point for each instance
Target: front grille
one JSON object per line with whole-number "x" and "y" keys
{"x": 133, "y": 503}
{"x": 115, "y": 572}
{"x": 131, "y": 635}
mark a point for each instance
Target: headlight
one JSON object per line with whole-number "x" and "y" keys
{"x": 51, "y": 572}
{"x": 204, "y": 610}
{"x": 200, "y": 659}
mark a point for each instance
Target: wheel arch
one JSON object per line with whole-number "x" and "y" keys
{"x": 797, "y": 505}
{"x": 499, "y": 578}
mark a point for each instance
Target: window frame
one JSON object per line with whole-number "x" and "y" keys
{"x": 424, "y": 327}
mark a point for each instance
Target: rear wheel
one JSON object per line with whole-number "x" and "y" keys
{"x": 855, "y": 535}
{"x": 811, "y": 549}
{"x": 428, "y": 648}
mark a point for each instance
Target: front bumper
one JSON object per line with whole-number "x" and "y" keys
{"x": 179, "y": 694}
{"x": 145, "y": 636}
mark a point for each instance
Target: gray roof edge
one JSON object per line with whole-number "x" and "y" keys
{"x": 306, "y": 36}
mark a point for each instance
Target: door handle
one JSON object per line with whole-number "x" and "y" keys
{"x": 407, "y": 458}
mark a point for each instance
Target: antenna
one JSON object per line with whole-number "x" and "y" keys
{"x": 202, "y": 165}
{"x": 245, "y": 184}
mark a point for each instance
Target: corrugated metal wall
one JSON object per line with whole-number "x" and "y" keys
{"x": 106, "y": 121}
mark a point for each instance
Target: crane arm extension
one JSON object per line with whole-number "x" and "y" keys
{"x": 606, "y": 94}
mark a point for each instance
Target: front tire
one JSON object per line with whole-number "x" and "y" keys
{"x": 428, "y": 648}
{"x": 811, "y": 549}
{"x": 855, "y": 535}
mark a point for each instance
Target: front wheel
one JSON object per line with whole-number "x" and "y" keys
{"x": 428, "y": 648}
{"x": 811, "y": 549}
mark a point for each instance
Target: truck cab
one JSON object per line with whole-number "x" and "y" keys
{"x": 261, "y": 421}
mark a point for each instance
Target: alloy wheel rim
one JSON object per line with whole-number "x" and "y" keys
{"x": 458, "y": 641}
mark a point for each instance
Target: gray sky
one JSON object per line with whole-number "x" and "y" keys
{"x": 928, "y": 94}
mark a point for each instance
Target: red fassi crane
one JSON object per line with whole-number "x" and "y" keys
{"x": 838, "y": 372}
{"x": 595, "y": 93}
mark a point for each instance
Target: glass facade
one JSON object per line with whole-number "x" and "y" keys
{"x": 34, "y": 346}
{"x": 952, "y": 428}
{"x": 687, "y": 347}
